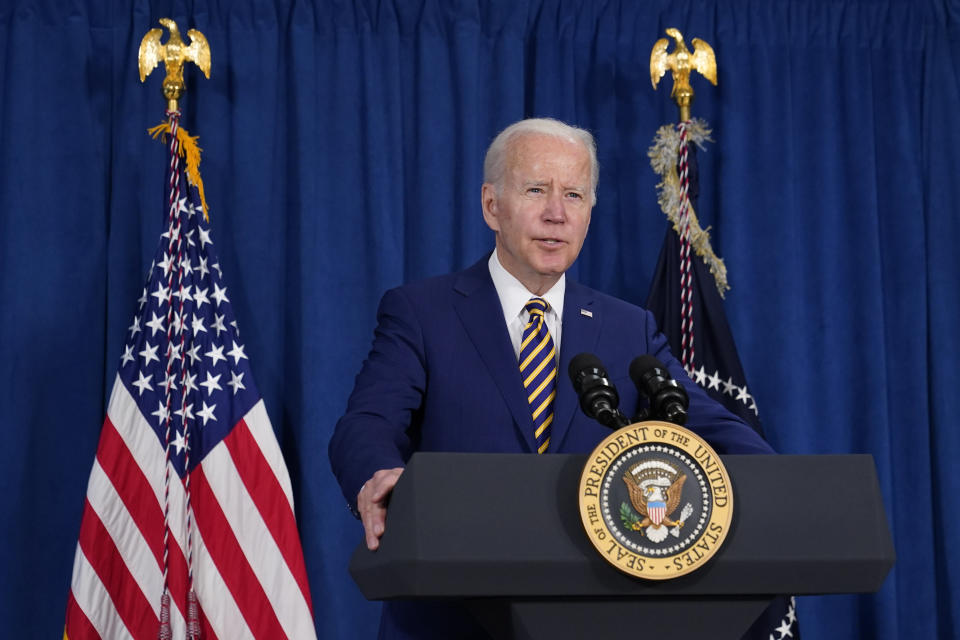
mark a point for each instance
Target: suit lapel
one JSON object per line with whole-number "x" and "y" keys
{"x": 581, "y": 329}
{"x": 481, "y": 314}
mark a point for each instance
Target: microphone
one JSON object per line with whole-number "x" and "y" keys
{"x": 668, "y": 399}
{"x": 598, "y": 397}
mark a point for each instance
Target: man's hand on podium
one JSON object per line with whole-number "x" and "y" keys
{"x": 372, "y": 503}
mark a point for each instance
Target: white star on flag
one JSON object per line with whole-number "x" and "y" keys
{"x": 728, "y": 386}
{"x": 198, "y": 325}
{"x": 179, "y": 443}
{"x": 166, "y": 264}
{"x": 218, "y": 323}
{"x": 207, "y": 413}
{"x": 212, "y": 383}
{"x": 189, "y": 383}
{"x": 237, "y": 353}
{"x": 715, "y": 381}
{"x": 200, "y": 296}
{"x": 161, "y": 294}
{"x": 178, "y": 322}
{"x": 185, "y": 294}
{"x": 215, "y": 354}
{"x": 701, "y": 375}
{"x": 149, "y": 353}
{"x": 171, "y": 234}
{"x": 220, "y": 294}
{"x": 186, "y": 409}
{"x": 194, "y": 356}
{"x": 156, "y": 324}
{"x": 161, "y": 413}
{"x": 236, "y": 382}
{"x": 173, "y": 352}
{"x": 170, "y": 381}
{"x": 143, "y": 384}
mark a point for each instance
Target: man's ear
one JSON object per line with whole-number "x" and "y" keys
{"x": 488, "y": 201}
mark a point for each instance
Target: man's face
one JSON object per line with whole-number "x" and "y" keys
{"x": 542, "y": 212}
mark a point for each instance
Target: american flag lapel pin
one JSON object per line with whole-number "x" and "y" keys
{"x": 584, "y": 312}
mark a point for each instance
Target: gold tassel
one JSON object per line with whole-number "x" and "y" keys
{"x": 190, "y": 150}
{"x": 663, "y": 158}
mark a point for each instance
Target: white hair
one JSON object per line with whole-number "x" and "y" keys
{"x": 494, "y": 164}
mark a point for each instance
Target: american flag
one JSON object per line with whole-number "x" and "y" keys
{"x": 189, "y": 487}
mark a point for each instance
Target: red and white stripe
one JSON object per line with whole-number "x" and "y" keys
{"x": 248, "y": 568}
{"x": 657, "y": 514}
{"x": 686, "y": 272}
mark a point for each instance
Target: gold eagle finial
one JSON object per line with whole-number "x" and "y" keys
{"x": 173, "y": 54}
{"x": 681, "y": 62}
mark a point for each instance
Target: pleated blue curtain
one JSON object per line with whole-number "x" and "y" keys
{"x": 343, "y": 145}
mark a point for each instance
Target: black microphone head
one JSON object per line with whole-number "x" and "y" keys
{"x": 668, "y": 398}
{"x": 584, "y": 364}
{"x": 598, "y": 397}
{"x": 645, "y": 364}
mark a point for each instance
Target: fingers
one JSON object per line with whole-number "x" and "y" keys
{"x": 371, "y": 503}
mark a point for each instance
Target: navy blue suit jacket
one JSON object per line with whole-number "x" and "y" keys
{"x": 442, "y": 376}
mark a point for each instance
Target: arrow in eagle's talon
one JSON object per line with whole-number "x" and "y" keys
{"x": 687, "y": 510}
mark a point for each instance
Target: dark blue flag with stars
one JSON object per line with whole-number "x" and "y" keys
{"x": 716, "y": 366}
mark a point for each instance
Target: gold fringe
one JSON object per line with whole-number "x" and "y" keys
{"x": 664, "y": 155}
{"x": 191, "y": 151}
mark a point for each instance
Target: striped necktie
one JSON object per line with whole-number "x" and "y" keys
{"x": 538, "y": 368}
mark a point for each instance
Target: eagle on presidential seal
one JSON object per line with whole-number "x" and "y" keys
{"x": 655, "y": 488}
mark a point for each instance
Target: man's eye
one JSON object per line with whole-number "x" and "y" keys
{"x": 535, "y": 190}
{"x": 574, "y": 194}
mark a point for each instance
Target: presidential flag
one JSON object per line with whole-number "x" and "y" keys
{"x": 685, "y": 298}
{"x": 188, "y": 528}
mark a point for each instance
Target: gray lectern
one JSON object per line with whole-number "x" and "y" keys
{"x": 502, "y": 533}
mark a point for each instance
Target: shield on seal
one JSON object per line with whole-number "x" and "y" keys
{"x": 656, "y": 510}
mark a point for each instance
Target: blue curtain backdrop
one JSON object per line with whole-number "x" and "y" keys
{"x": 343, "y": 149}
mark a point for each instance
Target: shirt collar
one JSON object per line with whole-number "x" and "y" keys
{"x": 514, "y": 296}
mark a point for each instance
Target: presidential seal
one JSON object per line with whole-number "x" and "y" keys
{"x": 655, "y": 500}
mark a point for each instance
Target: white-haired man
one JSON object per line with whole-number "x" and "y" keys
{"x": 469, "y": 361}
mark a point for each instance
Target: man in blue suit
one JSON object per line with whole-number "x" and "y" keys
{"x": 444, "y": 372}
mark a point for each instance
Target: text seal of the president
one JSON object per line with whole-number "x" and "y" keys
{"x": 655, "y": 500}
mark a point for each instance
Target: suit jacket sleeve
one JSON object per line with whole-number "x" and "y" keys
{"x": 373, "y": 434}
{"x": 726, "y": 432}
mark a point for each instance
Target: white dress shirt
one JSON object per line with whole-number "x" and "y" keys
{"x": 514, "y": 296}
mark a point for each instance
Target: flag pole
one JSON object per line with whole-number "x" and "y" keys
{"x": 154, "y": 557}
{"x": 174, "y": 54}
{"x": 680, "y": 63}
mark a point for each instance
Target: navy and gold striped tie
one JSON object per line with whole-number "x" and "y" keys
{"x": 538, "y": 368}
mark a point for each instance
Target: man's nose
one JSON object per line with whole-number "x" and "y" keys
{"x": 553, "y": 209}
